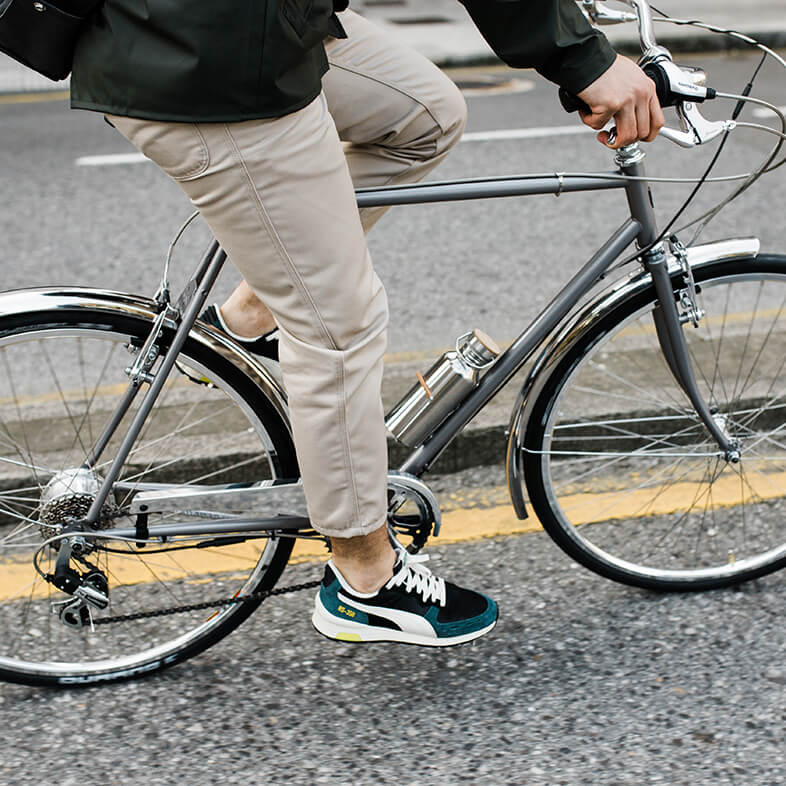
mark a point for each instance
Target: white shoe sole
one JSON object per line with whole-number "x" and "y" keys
{"x": 346, "y": 630}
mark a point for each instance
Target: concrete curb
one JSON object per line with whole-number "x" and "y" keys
{"x": 681, "y": 44}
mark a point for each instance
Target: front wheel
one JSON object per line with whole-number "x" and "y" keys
{"x": 623, "y": 474}
{"x": 62, "y": 373}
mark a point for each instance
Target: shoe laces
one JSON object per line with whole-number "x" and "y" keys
{"x": 416, "y": 577}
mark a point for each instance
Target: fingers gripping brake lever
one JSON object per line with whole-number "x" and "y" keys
{"x": 678, "y": 87}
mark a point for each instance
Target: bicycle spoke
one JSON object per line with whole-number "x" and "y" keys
{"x": 161, "y": 444}
{"x": 63, "y": 399}
{"x": 26, "y": 461}
{"x": 765, "y": 341}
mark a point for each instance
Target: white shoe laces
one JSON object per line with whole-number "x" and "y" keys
{"x": 418, "y": 578}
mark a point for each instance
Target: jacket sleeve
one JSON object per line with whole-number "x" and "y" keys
{"x": 552, "y": 36}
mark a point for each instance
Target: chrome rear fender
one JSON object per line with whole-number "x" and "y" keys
{"x": 27, "y": 302}
{"x": 564, "y": 339}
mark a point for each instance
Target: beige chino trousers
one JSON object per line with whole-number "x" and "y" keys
{"x": 279, "y": 196}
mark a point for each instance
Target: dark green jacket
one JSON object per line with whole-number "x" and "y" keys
{"x": 228, "y": 60}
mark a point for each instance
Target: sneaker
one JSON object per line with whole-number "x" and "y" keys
{"x": 414, "y": 607}
{"x": 265, "y": 345}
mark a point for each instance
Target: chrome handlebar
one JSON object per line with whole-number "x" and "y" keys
{"x": 686, "y": 85}
{"x": 600, "y": 13}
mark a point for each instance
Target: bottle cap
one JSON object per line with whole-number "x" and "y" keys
{"x": 477, "y": 348}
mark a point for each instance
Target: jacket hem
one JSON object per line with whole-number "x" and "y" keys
{"x": 213, "y": 116}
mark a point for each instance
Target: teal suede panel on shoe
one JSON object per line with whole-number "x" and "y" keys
{"x": 459, "y": 628}
{"x": 340, "y": 609}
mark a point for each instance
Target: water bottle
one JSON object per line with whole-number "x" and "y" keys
{"x": 443, "y": 387}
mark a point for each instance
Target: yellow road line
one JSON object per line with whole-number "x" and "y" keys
{"x": 36, "y": 97}
{"x": 458, "y": 526}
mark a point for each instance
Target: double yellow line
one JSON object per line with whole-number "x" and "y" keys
{"x": 459, "y": 526}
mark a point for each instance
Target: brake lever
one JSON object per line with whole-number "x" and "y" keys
{"x": 677, "y": 87}
{"x": 696, "y": 129}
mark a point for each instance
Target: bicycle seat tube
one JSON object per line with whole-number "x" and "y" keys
{"x": 666, "y": 316}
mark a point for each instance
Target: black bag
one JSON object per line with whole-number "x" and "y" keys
{"x": 43, "y": 35}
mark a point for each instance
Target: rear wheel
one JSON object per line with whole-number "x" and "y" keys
{"x": 620, "y": 470}
{"x": 61, "y": 376}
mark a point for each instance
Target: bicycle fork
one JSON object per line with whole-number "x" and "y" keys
{"x": 668, "y": 323}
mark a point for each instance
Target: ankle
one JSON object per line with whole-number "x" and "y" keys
{"x": 366, "y": 578}
{"x": 246, "y": 323}
{"x": 365, "y": 561}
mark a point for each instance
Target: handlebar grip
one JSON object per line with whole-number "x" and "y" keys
{"x": 656, "y": 73}
{"x": 662, "y": 84}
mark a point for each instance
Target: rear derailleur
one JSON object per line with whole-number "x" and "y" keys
{"x": 88, "y": 588}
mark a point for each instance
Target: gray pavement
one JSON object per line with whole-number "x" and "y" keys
{"x": 443, "y": 31}
{"x": 583, "y": 683}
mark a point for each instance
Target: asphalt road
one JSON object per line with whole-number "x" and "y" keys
{"x": 583, "y": 682}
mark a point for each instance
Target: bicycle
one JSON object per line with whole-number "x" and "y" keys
{"x": 120, "y": 510}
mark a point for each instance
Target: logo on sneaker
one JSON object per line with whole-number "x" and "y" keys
{"x": 348, "y": 612}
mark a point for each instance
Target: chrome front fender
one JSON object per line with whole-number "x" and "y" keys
{"x": 561, "y": 342}
{"x": 25, "y": 302}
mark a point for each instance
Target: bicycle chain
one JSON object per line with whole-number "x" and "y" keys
{"x": 210, "y": 604}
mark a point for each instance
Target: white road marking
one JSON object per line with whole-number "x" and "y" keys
{"x": 111, "y": 160}
{"x": 478, "y": 136}
{"x": 526, "y": 133}
{"x": 762, "y": 111}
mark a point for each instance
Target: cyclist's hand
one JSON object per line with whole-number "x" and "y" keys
{"x": 626, "y": 94}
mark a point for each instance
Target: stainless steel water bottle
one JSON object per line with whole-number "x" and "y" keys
{"x": 443, "y": 387}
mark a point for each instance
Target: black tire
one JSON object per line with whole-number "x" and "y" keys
{"x": 62, "y": 373}
{"x": 620, "y": 471}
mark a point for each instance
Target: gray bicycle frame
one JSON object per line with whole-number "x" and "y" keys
{"x": 640, "y": 227}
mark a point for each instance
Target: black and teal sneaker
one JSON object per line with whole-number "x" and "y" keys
{"x": 414, "y": 607}
{"x": 265, "y": 345}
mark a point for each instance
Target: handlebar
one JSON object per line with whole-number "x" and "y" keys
{"x": 680, "y": 87}
{"x": 600, "y": 14}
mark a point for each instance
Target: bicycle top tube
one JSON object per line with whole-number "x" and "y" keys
{"x": 486, "y": 188}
